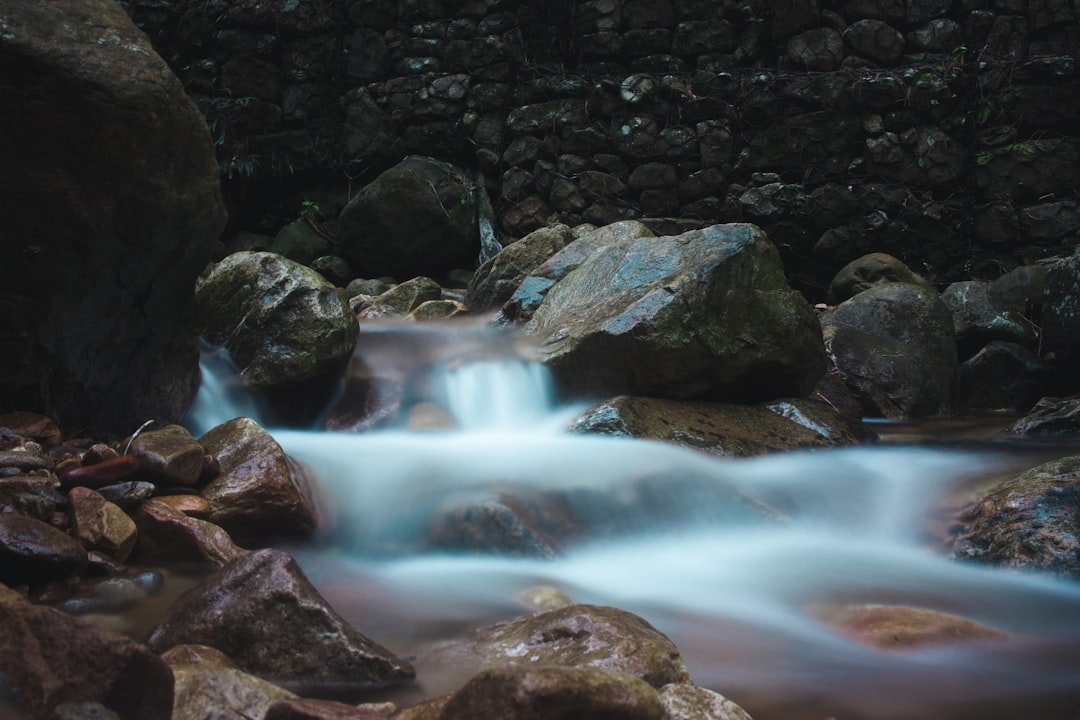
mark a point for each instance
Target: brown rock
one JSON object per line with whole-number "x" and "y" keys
{"x": 171, "y": 456}
{"x": 554, "y": 693}
{"x": 191, "y": 505}
{"x": 101, "y": 525}
{"x": 683, "y": 701}
{"x": 34, "y": 552}
{"x": 263, "y": 613}
{"x": 261, "y": 493}
{"x": 205, "y": 691}
{"x": 168, "y": 533}
{"x": 54, "y": 658}
{"x": 899, "y": 627}
{"x": 310, "y": 709}
{"x": 582, "y": 636}
{"x": 34, "y": 426}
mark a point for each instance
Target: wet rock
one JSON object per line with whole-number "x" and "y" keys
{"x": 438, "y": 310}
{"x": 899, "y": 627}
{"x": 1002, "y": 376}
{"x": 497, "y": 279}
{"x": 282, "y": 323}
{"x": 55, "y": 658}
{"x": 204, "y": 691}
{"x": 1028, "y": 522}
{"x": 190, "y": 505}
{"x": 979, "y": 318}
{"x": 113, "y": 594}
{"x": 893, "y": 345}
{"x": 682, "y": 701}
{"x": 867, "y": 271}
{"x": 720, "y": 429}
{"x": 554, "y": 693}
{"x": 262, "y": 612}
{"x": 1050, "y": 416}
{"x": 34, "y": 552}
{"x": 578, "y": 636}
{"x": 166, "y": 533}
{"x": 261, "y": 493}
{"x": 400, "y": 300}
{"x": 115, "y": 191}
{"x": 534, "y": 287}
{"x": 100, "y": 474}
{"x": 194, "y": 654}
{"x": 706, "y": 315}
{"x": 100, "y": 525}
{"x": 24, "y": 462}
{"x": 127, "y": 495}
{"x": 417, "y": 218}
{"x": 170, "y": 456}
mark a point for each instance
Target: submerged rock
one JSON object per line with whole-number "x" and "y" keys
{"x": 263, "y": 613}
{"x": 899, "y": 627}
{"x": 1030, "y": 521}
{"x": 704, "y": 315}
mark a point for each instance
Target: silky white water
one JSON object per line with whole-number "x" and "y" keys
{"x": 675, "y": 536}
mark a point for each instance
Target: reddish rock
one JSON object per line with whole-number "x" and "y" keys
{"x": 168, "y": 533}
{"x": 899, "y": 627}
{"x": 100, "y": 474}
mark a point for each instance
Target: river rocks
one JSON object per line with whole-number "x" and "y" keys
{"x": 706, "y": 314}
{"x": 283, "y": 324}
{"x": 496, "y": 280}
{"x": 578, "y": 636}
{"x": 34, "y": 552}
{"x": 54, "y": 658}
{"x": 400, "y": 300}
{"x": 261, "y": 493}
{"x": 554, "y": 693}
{"x": 210, "y": 692}
{"x": 417, "y": 218}
{"x": 720, "y": 429}
{"x": 1028, "y": 522}
{"x": 899, "y": 627}
{"x": 114, "y": 197}
{"x": 894, "y": 345}
{"x": 262, "y": 612}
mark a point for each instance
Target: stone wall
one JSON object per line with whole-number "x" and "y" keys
{"x": 942, "y": 131}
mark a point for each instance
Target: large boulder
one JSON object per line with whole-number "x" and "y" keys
{"x": 706, "y": 314}
{"x": 283, "y": 324}
{"x": 1060, "y": 320}
{"x": 111, "y": 202}
{"x": 496, "y": 280}
{"x": 1028, "y": 522}
{"x": 417, "y": 218}
{"x": 894, "y": 346}
{"x": 262, "y": 612}
{"x": 981, "y": 317}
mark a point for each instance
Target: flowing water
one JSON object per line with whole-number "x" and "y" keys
{"x": 851, "y": 525}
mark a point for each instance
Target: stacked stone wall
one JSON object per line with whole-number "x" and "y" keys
{"x": 942, "y": 131}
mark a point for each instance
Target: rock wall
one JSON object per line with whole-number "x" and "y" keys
{"x": 943, "y": 132}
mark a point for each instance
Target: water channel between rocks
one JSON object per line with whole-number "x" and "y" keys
{"x": 858, "y": 525}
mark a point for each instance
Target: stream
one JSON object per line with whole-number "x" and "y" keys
{"x": 861, "y": 524}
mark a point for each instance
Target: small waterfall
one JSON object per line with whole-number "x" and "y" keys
{"x": 497, "y": 394}
{"x": 222, "y": 394}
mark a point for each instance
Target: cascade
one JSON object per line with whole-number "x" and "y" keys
{"x": 668, "y": 537}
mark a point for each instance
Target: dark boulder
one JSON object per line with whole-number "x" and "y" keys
{"x": 417, "y": 218}
{"x": 707, "y": 314}
{"x": 111, "y": 202}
